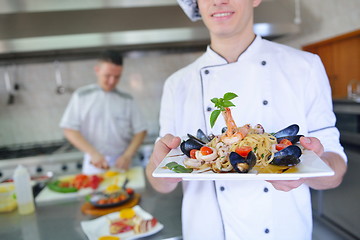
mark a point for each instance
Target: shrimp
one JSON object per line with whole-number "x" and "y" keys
{"x": 233, "y": 134}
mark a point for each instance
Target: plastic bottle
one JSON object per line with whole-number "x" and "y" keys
{"x": 23, "y": 191}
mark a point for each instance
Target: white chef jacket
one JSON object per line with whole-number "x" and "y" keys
{"x": 108, "y": 120}
{"x": 277, "y": 86}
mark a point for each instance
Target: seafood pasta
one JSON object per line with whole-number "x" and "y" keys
{"x": 242, "y": 148}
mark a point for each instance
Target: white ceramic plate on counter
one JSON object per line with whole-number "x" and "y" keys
{"x": 310, "y": 166}
{"x": 98, "y": 227}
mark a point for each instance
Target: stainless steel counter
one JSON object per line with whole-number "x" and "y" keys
{"x": 61, "y": 220}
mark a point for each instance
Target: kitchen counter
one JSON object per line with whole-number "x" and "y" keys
{"x": 60, "y": 220}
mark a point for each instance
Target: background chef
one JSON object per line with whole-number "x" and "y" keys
{"x": 103, "y": 121}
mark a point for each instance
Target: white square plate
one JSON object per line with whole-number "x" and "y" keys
{"x": 310, "y": 166}
{"x": 98, "y": 227}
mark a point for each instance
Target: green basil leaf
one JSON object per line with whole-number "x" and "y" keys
{"x": 171, "y": 165}
{"x": 214, "y": 115}
{"x": 182, "y": 169}
{"x": 178, "y": 168}
{"x": 215, "y": 100}
{"x": 227, "y": 103}
{"x": 229, "y": 96}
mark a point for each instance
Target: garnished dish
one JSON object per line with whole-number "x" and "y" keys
{"x": 239, "y": 149}
{"x": 248, "y": 150}
{"x": 112, "y": 196}
{"x": 128, "y": 223}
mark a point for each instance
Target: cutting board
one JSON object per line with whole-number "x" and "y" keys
{"x": 89, "y": 209}
{"x": 136, "y": 181}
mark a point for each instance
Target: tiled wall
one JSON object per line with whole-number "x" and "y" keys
{"x": 36, "y": 112}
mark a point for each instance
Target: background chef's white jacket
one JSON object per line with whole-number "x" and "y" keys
{"x": 108, "y": 120}
{"x": 277, "y": 86}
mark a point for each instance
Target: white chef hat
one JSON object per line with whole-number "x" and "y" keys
{"x": 191, "y": 9}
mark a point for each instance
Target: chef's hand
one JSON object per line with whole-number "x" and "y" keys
{"x": 309, "y": 143}
{"x": 161, "y": 149}
{"x": 99, "y": 161}
{"x": 123, "y": 162}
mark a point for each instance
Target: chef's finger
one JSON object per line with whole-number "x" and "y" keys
{"x": 313, "y": 144}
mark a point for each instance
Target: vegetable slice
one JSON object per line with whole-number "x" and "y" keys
{"x": 178, "y": 168}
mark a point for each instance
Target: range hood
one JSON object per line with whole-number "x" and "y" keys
{"x": 35, "y": 26}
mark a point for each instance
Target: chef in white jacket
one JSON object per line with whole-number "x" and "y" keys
{"x": 103, "y": 121}
{"x": 277, "y": 86}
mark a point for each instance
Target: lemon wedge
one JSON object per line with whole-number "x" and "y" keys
{"x": 112, "y": 188}
{"x": 127, "y": 213}
{"x": 110, "y": 173}
{"x": 109, "y": 238}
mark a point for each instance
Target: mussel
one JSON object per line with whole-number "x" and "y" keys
{"x": 242, "y": 164}
{"x": 203, "y": 137}
{"x": 289, "y": 156}
{"x": 191, "y": 143}
{"x": 289, "y": 133}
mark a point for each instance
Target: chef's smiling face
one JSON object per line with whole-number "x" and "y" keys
{"x": 227, "y": 18}
{"x": 108, "y": 75}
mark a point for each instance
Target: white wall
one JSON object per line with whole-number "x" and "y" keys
{"x": 323, "y": 19}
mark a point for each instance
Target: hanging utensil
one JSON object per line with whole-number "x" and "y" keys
{"x": 9, "y": 88}
{"x": 60, "y": 89}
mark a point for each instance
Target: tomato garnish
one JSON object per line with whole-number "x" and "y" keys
{"x": 280, "y": 146}
{"x": 286, "y": 142}
{"x": 193, "y": 153}
{"x": 243, "y": 151}
{"x": 206, "y": 150}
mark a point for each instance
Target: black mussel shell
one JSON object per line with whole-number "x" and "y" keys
{"x": 292, "y": 139}
{"x": 202, "y": 136}
{"x": 289, "y": 156}
{"x": 224, "y": 129}
{"x": 291, "y": 130}
{"x": 191, "y": 143}
{"x": 241, "y": 164}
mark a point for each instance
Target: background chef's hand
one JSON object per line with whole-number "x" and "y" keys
{"x": 99, "y": 161}
{"x": 123, "y": 162}
{"x": 161, "y": 149}
{"x": 313, "y": 144}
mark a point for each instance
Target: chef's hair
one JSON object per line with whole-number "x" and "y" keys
{"x": 112, "y": 57}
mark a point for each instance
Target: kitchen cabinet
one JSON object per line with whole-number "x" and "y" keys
{"x": 341, "y": 58}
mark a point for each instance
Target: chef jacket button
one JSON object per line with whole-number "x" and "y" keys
{"x": 208, "y": 109}
{"x": 265, "y": 102}
{"x": 206, "y": 71}
{"x": 267, "y": 230}
{"x": 222, "y": 188}
{"x": 263, "y": 63}
{"x": 266, "y": 189}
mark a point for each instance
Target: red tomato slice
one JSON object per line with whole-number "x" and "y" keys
{"x": 206, "y": 150}
{"x": 280, "y": 146}
{"x": 286, "y": 142}
{"x": 243, "y": 151}
{"x": 192, "y": 153}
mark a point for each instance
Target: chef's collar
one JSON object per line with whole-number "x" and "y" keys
{"x": 217, "y": 59}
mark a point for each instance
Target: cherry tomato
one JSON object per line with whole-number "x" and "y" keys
{"x": 243, "y": 151}
{"x": 130, "y": 191}
{"x": 286, "y": 142}
{"x": 280, "y": 146}
{"x": 206, "y": 150}
{"x": 102, "y": 201}
{"x": 192, "y": 153}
